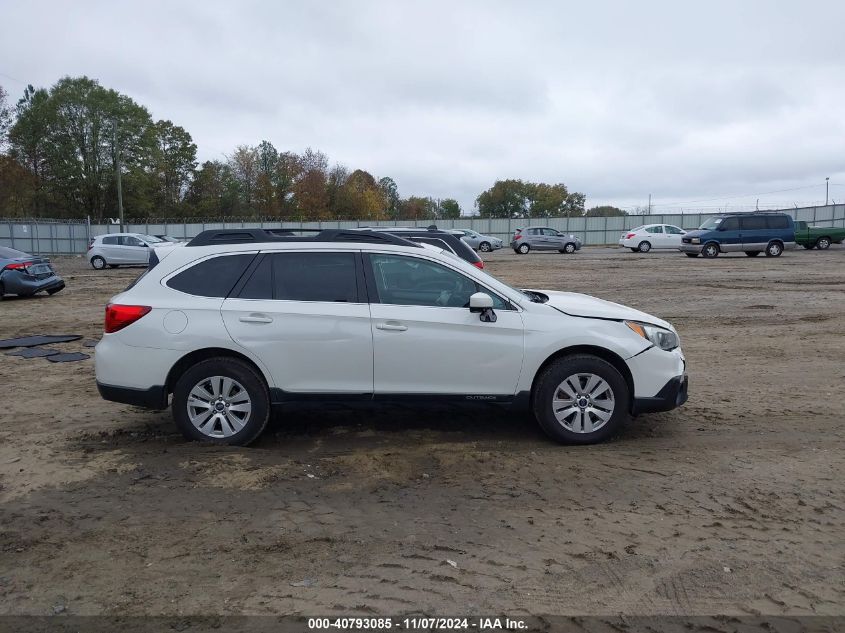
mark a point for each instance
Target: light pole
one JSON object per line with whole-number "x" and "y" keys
{"x": 826, "y": 189}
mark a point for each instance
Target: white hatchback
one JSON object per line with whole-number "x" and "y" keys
{"x": 120, "y": 249}
{"x": 645, "y": 238}
{"x": 240, "y": 321}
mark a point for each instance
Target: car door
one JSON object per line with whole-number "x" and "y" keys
{"x": 134, "y": 250}
{"x": 425, "y": 339}
{"x": 304, "y": 315}
{"x": 755, "y": 232}
{"x": 111, "y": 250}
{"x": 672, "y": 236}
{"x": 730, "y": 235}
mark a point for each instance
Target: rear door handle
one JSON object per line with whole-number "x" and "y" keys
{"x": 391, "y": 327}
{"x": 255, "y": 318}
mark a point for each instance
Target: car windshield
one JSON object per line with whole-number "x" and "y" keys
{"x": 11, "y": 253}
{"x": 150, "y": 239}
{"x": 710, "y": 224}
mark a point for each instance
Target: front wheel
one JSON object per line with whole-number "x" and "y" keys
{"x": 485, "y": 247}
{"x": 221, "y": 400}
{"x": 98, "y": 263}
{"x": 774, "y": 249}
{"x": 581, "y": 399}
{"x": 823, "y": 243}
{"x": 523, "y": 249}
{"x": 644, "y": 247}
{"x": 710, "y": 250}
{"x": 569, "y": 248}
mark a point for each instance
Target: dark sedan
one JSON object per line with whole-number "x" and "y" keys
{"x": 23, "y": 274}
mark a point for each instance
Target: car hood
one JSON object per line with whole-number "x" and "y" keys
{"x": 695, "y": 233}
{"x": 580, "y": 305}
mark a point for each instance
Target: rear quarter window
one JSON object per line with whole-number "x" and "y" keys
{"x": 778, "y": 222}
{"x": 213, "y": 277}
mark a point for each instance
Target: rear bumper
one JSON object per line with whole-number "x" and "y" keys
{"x": 24, "y": 285}
{"x": 673, "y": 394}
{"x": 153, "y": 398}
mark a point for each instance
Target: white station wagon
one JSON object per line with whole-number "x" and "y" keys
{"x": 240, "y": 321}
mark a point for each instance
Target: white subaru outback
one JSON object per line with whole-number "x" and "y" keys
{"x": 240, "y": 321}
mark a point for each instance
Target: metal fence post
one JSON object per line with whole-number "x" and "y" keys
{"x": 12, "y": 234}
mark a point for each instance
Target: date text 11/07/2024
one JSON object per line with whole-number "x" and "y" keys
{"x": 417, "y": 624}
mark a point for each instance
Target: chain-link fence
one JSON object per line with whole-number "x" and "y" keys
{"x": 64, "y": 237}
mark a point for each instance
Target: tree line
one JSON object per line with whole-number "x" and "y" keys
{"x": 60, "y": 149}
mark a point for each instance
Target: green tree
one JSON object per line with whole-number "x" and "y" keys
{"x": 604, "y": 211}
{"x": 213, "y": 192}
{"x": 505, "y": 199}
{"x": 175, "y": 161}
{"x": 28, "y": 141}
{"x": 265, "y": 189}
{"x": 243, "y": 163}
{"x": 5, "y": 118}
{"x": 518, "y": 199}
{"x": 391, "y": 196}
{"x": 449, "y": 209}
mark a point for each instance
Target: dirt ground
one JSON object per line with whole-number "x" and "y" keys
{"x": 732, "y": 504}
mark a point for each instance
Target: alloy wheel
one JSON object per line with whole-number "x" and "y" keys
{"x": 583, "y": 403}
{"x": 219, "y": 406}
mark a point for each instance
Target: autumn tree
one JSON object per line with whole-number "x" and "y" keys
{"x": 604, "y": 211}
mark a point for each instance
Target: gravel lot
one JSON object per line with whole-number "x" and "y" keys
{"x": 731, "y": 504}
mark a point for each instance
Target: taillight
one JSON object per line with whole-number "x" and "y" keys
{"x": 90, "y": 245}
{"x": 119, "y": 316}
{"x": 15, "y": 266}
{"x": 629, "y": 236}
{"x": 478, "y": 264}
{"x": 517, "y": 237}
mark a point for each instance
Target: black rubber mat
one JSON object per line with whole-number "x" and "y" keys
{"x": 34, "y": 352}
{"x": 89, "y": 343}
{"x": 67, "y": 358}
{"x": 32, "y": 341}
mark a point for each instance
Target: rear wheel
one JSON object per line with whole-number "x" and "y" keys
{"x": 710, "y": 250}
{"x": 644, "y": 247}
{"x": 752, "y": 253}
{"x": 581, "y": 399}
{"x": 484, "y": 247}
{"x": 823, "y": 243}
{"x": 221, "y": 400}
{"x": 523, "y": 249}
{"x": 774, "y": 249}
{"x": 98, "y": 263}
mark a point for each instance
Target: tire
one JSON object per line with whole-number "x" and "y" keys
{"x": 644, "y": 246}
{"x": 98, "y": 263}
{"x": 691, "y": 254}
{"x": 569, "y": 248}
{"x": 217, "y": 429}
{"x": 752, "y": 253}
{"x": 572, "y": 370}
{"x": 522, "y": 249}
{"x": 2, "y": 291}
{"x": 485, "y": 247}
{"x": 633, "y": 250}
{"x": 823, "y": 243}
{"x": 710, "y": 250}
{"x": 774, "y": 249}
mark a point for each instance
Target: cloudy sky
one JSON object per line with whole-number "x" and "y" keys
{"x": 696, "y": 102}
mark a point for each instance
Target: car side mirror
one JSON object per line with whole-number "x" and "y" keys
{"x": 482, "y": 303}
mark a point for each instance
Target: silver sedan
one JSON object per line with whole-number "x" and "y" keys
{"x": 483, "y": 243}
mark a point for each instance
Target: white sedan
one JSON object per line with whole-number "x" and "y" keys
{"x": 644, "y": 238}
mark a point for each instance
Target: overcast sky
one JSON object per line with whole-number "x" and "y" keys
{"x": 687, "y": 101}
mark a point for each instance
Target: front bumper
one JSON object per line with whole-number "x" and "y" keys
{"x": 690, "y": 248}
{"x": 673, "y": 394}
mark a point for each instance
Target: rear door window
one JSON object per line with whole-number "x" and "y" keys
{"x": 753, "y": 223}
{"x": 112, "y": 239}
{"x": 213, "y": 277}
{"x": 654, "y": 229}
{"x": 778, "y": 222}
{"x": 314, "y": 277}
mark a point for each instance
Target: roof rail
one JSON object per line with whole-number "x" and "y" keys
{"x": 247, "y": 236}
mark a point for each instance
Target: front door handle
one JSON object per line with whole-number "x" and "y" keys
{"x": 391, "y": 327}
{"x": 256, "y": 318}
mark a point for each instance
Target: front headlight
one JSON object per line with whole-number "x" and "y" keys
{"x": 664, "y": 339}
{"x": 695, "y": 240}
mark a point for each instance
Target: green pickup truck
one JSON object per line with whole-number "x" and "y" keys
{"x": 820, "y": 237}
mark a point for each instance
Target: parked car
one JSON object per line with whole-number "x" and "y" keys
{"x": 116, "y": 249}
{"x": 239, "y": 321}
{"x": 479, "y": 242}
{"x": 750, "y": 233}
{"x": 445, "y": 240}
{"x": 24, "y": 275}
{"x": 645, "y": 238}
{"x": 820, "y": 237}
{"x": 171, "y": 239}
{"x": 542, "y": 238}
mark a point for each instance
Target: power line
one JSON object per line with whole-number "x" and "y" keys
{"x": 747, "y": 195}
{"x": 23, "y": 83}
